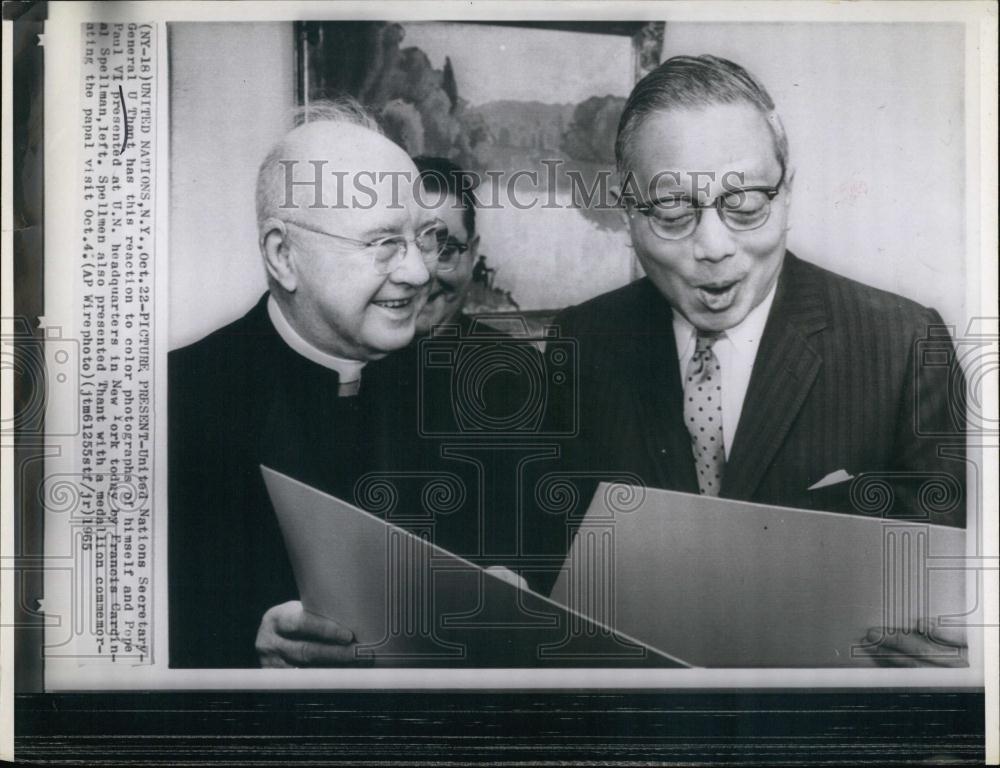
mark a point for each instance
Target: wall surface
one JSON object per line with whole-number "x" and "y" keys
{"x": 231, "y": 90}
{"x": 874, "y": 116}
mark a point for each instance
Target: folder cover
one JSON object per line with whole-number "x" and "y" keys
{"x": 722, "y": 583}
{"x": 411, "y": 603}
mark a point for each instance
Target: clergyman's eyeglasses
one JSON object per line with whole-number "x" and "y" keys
{"x": 387, "y": 253}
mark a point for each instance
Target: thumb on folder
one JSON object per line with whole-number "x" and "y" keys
{"x": 926, "y": 643}
{"x": 290, "y": 636}
{"x": 506, "y": 574}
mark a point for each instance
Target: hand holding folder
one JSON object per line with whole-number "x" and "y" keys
{"x": 725, "y": 583}
{"x": 290, "y": 636}
{"x": 715, "y": 582}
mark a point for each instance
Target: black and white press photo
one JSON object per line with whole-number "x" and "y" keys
{"x": 538, "y": 351}
{"x": 574, "y": 304}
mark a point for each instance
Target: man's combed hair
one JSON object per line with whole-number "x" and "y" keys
{"x": 342, "y": 111}
{"x": 438, "y": 174}
{"x": 693, "y": 82}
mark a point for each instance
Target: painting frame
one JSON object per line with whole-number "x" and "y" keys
{"x": 330, "y": 64}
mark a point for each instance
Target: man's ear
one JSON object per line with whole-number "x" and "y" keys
{"x": 621, "y": 210}
{"x": 788, "y": 182}
{"x": 787, "y": 196}
{"x": 278, "y": 258}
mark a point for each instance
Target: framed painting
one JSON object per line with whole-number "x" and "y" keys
{"x": 530, "y": 111}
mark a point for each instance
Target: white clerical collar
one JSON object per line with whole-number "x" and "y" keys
{"x": 349, "y": 370}
{"x": 746, "y": 334}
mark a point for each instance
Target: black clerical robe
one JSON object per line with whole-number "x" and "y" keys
{"x": 241, "y": 397}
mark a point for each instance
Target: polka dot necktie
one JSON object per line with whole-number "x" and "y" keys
{"x": 703, "y": 414}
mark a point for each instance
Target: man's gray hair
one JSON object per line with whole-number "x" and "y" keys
{"x": 693, "y": 82}
{"x": 342, "y": 111}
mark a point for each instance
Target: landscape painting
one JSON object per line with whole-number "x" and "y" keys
{"x": 531, "y": 110}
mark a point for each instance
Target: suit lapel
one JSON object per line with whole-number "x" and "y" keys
{"x": 660, "y": 397}
{"x": 783, "y": 373}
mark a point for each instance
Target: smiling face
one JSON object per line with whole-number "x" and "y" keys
{"x": 449, "y": 289}
{"x": 334, "y": 297}
{"x": 715, "y": 276}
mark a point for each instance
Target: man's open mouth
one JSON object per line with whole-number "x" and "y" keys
{"x": 718, "y": 297}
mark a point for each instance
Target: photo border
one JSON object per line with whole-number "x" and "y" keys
{"x": 235, "y": 716}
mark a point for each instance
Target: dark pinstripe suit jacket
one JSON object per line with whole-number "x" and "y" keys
{"x": 846, "y": 377}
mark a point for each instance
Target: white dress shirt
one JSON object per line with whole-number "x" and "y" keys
{"x": 348, "y": 370}
{"x": 736, "y": 351}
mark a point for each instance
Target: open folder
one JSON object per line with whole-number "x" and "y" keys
{"x": 411, "y": 603}
{"x": 724, "y": 583}
{"x": 652, "y": 577}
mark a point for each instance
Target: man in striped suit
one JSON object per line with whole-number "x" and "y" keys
{"x": 735, "y": 368}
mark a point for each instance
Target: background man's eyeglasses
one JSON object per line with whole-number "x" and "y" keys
{"x": 450, "y": 254}
{"x": 742, "y": 210}
{"x": 388, "y": 252}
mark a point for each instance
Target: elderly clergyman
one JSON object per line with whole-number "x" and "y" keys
{"x": 305, "y": 382}
{"x": 735, "y": 368}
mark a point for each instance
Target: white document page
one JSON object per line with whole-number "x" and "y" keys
{"x": 411, "y": 603}
{"x": 722, "y": 583}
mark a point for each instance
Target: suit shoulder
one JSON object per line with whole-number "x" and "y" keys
{"x": 619, "y": 309}
{"x": 221, "y": 369}
{"x": 849, "y": 298}
{"x": 223, "y": 345}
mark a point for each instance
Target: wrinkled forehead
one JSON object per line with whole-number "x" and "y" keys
{"x": 331, "y": 173}
{"x": 690, "y": 149}
{"x": 371, "y": 200}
